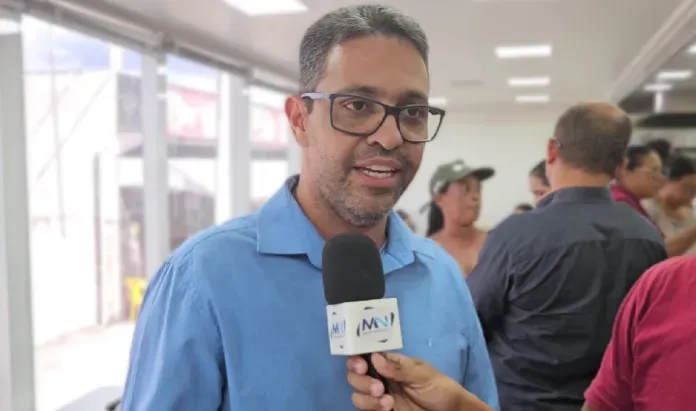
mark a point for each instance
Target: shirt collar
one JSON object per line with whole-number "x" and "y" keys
{"x": 283, "y": 229}
{"x": 577, "y": 195}
{"x": 618, "y": 188}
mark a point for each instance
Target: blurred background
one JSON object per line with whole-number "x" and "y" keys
{"x": 144, "y": 122}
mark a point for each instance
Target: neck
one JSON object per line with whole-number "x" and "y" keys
{"x": 326, "y": 221}
{"x": 629, "y": 187}
{"x": 458, "y": 232}
{"x": 566, "y": 177}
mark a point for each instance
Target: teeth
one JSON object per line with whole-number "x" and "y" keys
{"x": 377, "y": 174}
{"x": 380, "y": 168}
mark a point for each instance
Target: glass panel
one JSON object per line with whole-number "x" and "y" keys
{"x": 85, "y": 235}
{"x": 193, "y": 112}
{"x": 270, "y": 132}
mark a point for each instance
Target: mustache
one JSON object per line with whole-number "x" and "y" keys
{"x": 381, "y": 152}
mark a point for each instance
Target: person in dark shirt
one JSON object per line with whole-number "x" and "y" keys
{"x": 549, "y": 282}
{"x": 639, "y": 177}
{"x": 650, "y": 363}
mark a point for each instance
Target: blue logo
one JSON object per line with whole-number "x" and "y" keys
{"x": 375, "y": 324}
{"x": 338, "y": 328}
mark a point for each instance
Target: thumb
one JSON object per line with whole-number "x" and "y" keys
{"x": 399, "y": 368}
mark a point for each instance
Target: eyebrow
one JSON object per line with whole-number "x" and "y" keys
{"x": 408, "y": 96}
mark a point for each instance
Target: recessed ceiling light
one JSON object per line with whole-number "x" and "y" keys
{"x": 691, "y": 49}
{"x": 268, "y": 7}
{"x": 518, "y": 52}
{"x": 533, "y": 98}
{"x": 657, "y": 87}
{"x": 529, "y": 81}
{"x": 674, "y": 74}
{"x": 437, "y": 101}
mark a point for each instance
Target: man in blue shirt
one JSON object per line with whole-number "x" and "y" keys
{"x": 235, "y": 319}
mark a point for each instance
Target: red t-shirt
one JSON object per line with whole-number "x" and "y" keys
{"x": 621, "y": 194}
{"x": 650, "y": 364}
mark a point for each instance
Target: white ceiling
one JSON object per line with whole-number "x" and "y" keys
{"x": 593, "y": 40}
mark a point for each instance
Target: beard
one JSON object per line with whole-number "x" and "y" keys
{"x": 361, "y": 206}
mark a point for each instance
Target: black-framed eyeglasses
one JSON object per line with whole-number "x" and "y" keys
{"x": 362, "y": 116}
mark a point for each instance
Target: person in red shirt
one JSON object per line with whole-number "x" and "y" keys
{"x": 639, "y": 177}
{"x": 650, "y": 363}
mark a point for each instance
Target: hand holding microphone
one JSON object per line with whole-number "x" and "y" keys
{"x": 416, "y": 386}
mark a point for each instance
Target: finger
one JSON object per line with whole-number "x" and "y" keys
{"x": 400, "y": 368}
{"x": 357, "y": 365}
{"x": 365, "y": 384}
{"x": 368, "y": 403}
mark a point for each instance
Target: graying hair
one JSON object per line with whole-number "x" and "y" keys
{"x": 349, "y": 23}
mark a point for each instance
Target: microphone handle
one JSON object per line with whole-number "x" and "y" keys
{"x": 372, "y": 372}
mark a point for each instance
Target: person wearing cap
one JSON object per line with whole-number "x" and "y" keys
{"x": 670, "y": 209}
{"x": 455, "y": 189}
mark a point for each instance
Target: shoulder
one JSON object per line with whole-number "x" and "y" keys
{"x": 668, "y": 279}
{"x": 239, "y": 233}
{"x": 205, "y": 257}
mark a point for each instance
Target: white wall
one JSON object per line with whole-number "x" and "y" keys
{"x": 511, "y": 144}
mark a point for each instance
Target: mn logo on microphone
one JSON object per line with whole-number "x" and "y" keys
{"x": 376, "y": 324}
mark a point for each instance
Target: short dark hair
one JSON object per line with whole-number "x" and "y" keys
{"x": 679, "y": 166}
{"x": 347, "y": 23}
{"x": 539, "y": 171}
{"x": 524, "y": 207}
{"x": 636, "y": 154}
{"x": 662, "y": 147}
{"x": 593, "y": 137}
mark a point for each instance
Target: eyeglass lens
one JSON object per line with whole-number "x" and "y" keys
{"x": 364, "y": 116}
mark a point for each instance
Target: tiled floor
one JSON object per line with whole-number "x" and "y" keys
{"x": 80, "y": 364}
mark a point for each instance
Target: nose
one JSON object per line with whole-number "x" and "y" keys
{"x": 388, "y": 135}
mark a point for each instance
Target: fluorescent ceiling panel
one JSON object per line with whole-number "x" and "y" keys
{"x": 657, "y": 87}
{"x": 529, "y": 81}
{"x": 533, "y": 98}
{"x": 256, "y": 8}
{"x": 519, "y": 52}
{"x": 667, "y": 75}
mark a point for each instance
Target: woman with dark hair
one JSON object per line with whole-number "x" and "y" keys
{"x": 456, "y": 202}
{"x": 640, "y": 177}
{"x": 538, "y": 182}
{"x": 671, "y": 207}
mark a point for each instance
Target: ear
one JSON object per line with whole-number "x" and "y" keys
{"x": 551, "y": 151}
{"x": 296, "y": 111}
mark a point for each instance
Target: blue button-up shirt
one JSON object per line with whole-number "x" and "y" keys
{"x": 235, "y": 319}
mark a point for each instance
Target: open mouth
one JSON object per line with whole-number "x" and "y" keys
{"x": 378, "y": 171}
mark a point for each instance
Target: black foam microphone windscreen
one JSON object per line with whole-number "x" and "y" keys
{"x": 352, "y": 269}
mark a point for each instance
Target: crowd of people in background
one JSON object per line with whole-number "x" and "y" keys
{"x": 573, "y": 301}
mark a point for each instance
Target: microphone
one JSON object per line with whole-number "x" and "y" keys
{"x": 361, "y": 321}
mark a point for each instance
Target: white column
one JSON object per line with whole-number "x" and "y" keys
{"x": 233, "y": 194}
{"x": 16, "y": 341}
{"x": 155, "y": 165}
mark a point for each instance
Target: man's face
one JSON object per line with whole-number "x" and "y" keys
{"x": 390, "y": 71}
